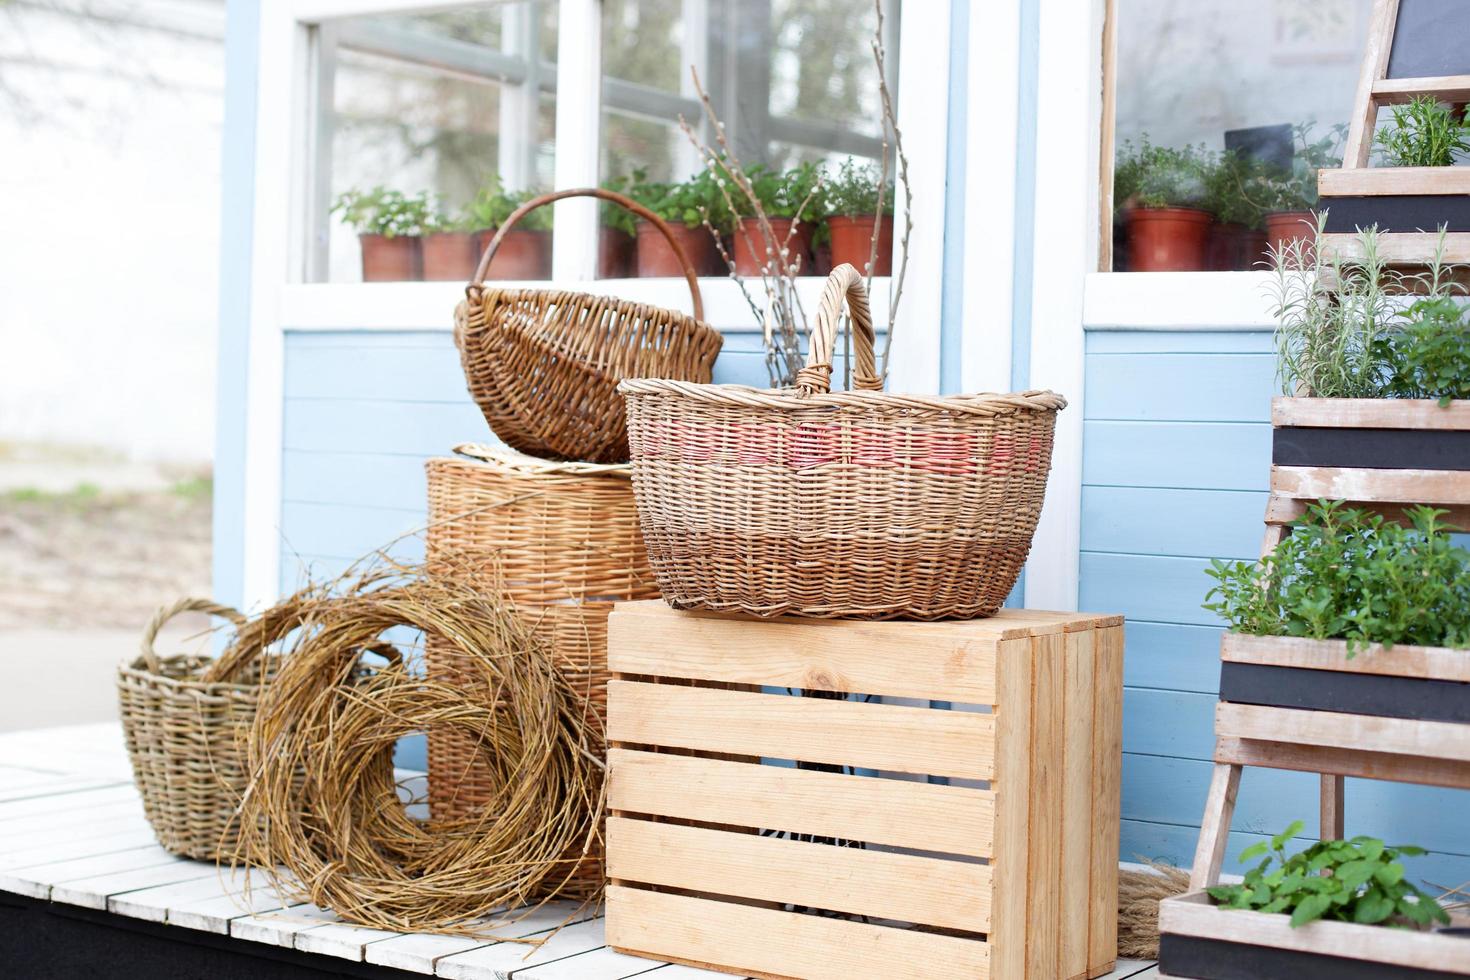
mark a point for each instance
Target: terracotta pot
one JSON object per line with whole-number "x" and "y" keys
{"x": 750, "y": 245}
{"x": 450, "y": 255}
{"x": 387, "y": 259}
{"x": 1285, "y": 227}
{"x": 1234, "y": 247}
{"x": 524, "y": 254}
{"x": 1168, "y": 239}
{"x": 615, "y": 252}
{"x": 852, "y": 242}
{"x": 656, "y": 259}
{"x": 822, "y": 259}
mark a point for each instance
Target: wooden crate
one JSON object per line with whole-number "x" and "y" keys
{"x": 1206, "y": 942}
{"x": 720, "y": 851}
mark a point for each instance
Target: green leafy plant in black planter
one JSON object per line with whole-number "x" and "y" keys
{"x": 525, "y": 252}
{"x": 1425, "y": 133}
{"x": 1429, "y": 355}
{"x": 1163, "y": 194}
{"x": 1359, "y": 880}
{"x": 1345, "y": 573}
{"x": 389, "y": 225}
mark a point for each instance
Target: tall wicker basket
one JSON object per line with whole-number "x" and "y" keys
{"x": 544, "y": 364}
{"x": 183, "y": 718}
{"x": 857, "y": 504}
{"x": 563, "y": 539}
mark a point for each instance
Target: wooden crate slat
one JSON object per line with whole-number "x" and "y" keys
{"x": 901, "y": 813}
{"x": 1043, "y": 911}
{"x": 778, "y": 943}
{"x": 1370, "y": 413}
{"x": 927, "y": 891}
{"x": 931, "y": 662}
{"x": 1195, "y": 915}
{"x": 1014, "y": 683}
{"x": 1400, "y": 661}
{"x": 1430, "y": 739}
{"x": 1399, "y": 248}
{"x": 1446, "y": 88}
{"x": 1075, "y": 858}
{"x": 1365, "y": 764}
{"x": 877, "y": 736}
{"x": 1351, "y": 182}
{"x": 1379, "y": 486}
{"x": 1107, "y": 794}
{"x": 1282, "y": 510}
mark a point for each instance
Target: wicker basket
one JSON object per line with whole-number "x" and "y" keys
{"x": 563, "y": 539}
{"x": 544, "y": 364}
{"x": 853, "y": 504}
{"x": 183, "y": 718}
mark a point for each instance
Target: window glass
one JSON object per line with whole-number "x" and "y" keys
{"x": 421, "y": 114}
{"x": 1225, "y": 109}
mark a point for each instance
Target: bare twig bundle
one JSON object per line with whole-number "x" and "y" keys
{"x": 1139, "y": 894}
{"x": 323, "y": 815}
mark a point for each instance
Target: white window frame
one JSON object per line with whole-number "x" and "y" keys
{"x": 286, "y": 195}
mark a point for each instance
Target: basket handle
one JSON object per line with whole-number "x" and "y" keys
{"x": 166, "y": 613}
{"x": 845, "y": 282}
{"x": 621, "y": 201}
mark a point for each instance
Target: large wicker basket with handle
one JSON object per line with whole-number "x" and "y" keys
{"x": 544, "y": 364}
{"x": 563, "y": 541}
{"x": 183, "y": 717}
{"x": 855, "y": 504}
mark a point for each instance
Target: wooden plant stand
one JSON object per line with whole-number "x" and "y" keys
{"x": 1408, "y": 204}
{"x": 773, "y": 835}
{"x": 1288, "y": 703}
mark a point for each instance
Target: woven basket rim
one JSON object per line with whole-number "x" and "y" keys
{"x": 791, "y": 399}
{"x": 625, "y": 306}
{"x": 137, "y": 667}
{"x": 511, "y": 461}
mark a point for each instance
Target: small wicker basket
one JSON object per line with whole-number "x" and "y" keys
{"x": 855, "y": 504}
{"x": 183, "y": 719}
{"x": 544, "y": 364}
{"x": 563, "y": 540}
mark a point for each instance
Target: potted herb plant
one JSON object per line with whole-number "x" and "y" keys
{"x": 389, "y": 225}
{"x": 617, "y": 232}
{"x": 449, "y": 247}
{"x": 852, "y": 213}
{"x": 525, "y": 253}
{"x": 791, "y": 202}
{"x": 1289, "y": 198}
{"x": 1339, "y": 908}
{"x": 1237, "y": 240}
{"x": 1425, "y": 133}
{"x": 1162, "y": 194}
{"x": 686, "y": 206}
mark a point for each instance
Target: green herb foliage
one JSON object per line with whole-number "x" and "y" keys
{"x": 782, "y": 193}
{"x": 1429, "y": 357}
{"x": 853, "y": 190}
{"x": 494, "y": 204}
{"x": 1358, "y": 880}
{"x": 1270, "y": 188}
{"x": 690, "y": 202}
{"x": 1149, "y": 176}
{"x": 381, "y": 211}
{"x": 1349, "y": 574}
{"x": 1425, "y": 133}
{"x": 614, "y": 215}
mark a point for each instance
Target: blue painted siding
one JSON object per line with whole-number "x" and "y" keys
{"x": 1175, "y": 468}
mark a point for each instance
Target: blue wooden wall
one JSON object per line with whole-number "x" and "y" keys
{"x": 1176, "y": 458}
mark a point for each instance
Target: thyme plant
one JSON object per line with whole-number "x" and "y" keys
{"x": 1425, "y": 133}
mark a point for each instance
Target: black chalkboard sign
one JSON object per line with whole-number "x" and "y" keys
{"x": 1431, "y": 38}
{"x": 1270, "y": 145}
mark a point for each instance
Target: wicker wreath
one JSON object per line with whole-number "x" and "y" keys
{"x": 324, "y": 816}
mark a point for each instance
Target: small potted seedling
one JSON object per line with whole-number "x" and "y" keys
{"x": 525, "y": 252}
{"x": 852, "y": 214}
{"x": 792, "y": 203}
{"x": 389, "y": 225}
{"x": 1161, "y": 193}
{"x": 617, "y": 232}
{"x": 449, "y": 247}
{"x": 1236, "y": 239}
{"x": 695, "y": 211}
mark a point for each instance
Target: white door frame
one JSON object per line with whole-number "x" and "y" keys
{"x": 284, "y": 134}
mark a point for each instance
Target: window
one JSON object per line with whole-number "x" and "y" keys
{"x": 1225, "y": 108}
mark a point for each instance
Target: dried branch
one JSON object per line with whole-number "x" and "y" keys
{"x": 890, "y": 123}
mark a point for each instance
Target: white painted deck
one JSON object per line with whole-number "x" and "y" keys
{"x": 72, "y": 831}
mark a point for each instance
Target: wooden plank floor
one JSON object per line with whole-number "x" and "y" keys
{"x": 72, "y": 831}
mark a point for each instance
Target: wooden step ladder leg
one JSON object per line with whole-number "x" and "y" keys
{"x": 1332, "y": 826}
{"x": 1214, "y": 831}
